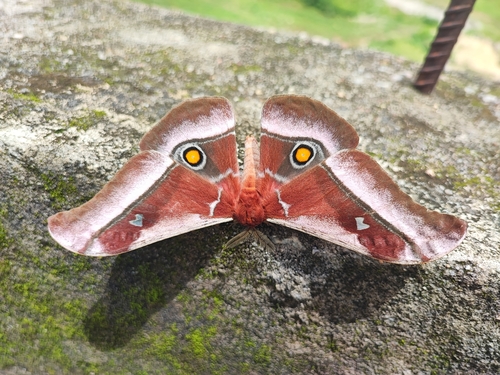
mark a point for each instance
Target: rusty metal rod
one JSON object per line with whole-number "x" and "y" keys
{"x": 448, "y": 32}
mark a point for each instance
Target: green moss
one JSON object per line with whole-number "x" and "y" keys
{"x": 28, "y": 96}
{"x": 98, "y": 114}
{"x": 81, "y": 123}
{"x": 5, "y": 267}
{"x": 332, "y": 345}
{"x": 48, "y": 65}
{"x": 154, "y": 295}
{"x": 483, "y": 185}
{"x": 495, "y": 91}
{"x": 164, "y": 345}
{"x": 441, "y": 362}
{"x": 183, "y": 297}
{"x": 464, "y": 151}
{"x": 476, "y": 102}
{"x": 496, "y": 205}
{"x": 214, "y": 297}
{"x": 41, "y": 320}
{"x": 61, "y": 266}
{"x": 263, "y": 355}
{"x": 242, "y": 69}
{"x": 184, "y": 353}
{"x": 5, "y": 240}
{"x": 217, "y": 300}
{"x": 468, "y": 182}
{"x": 59, "y": 188}
{"x": 245, "y": 367}
{"x": 375, "y": 155}
{"x": 87, "y": 121}
{"x": 249, "y": 344}
{"x": 199, "y": 341}
{"x": 447, "y": 172}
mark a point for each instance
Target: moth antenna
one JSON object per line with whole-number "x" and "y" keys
{"x": 238, "y": 239}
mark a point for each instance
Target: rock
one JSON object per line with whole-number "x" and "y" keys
{"x": 81, "y": 82}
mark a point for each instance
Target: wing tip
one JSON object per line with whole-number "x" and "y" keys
{"x": 448, "y": 241}
{"x": 59, "y": 229}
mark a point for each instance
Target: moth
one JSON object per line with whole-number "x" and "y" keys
{"x": 306, "y": 175}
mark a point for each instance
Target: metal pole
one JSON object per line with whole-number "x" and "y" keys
{"x": 448, "y": 32}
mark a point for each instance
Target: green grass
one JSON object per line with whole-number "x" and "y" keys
{"x": 357, "y": 23}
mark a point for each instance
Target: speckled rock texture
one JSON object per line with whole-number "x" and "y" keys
{"x": 82, "y": 81}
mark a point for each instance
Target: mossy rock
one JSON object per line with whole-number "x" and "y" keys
{"x": 79, "y": 91}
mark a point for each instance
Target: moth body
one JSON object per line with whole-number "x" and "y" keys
{"x": 249, "y": 209}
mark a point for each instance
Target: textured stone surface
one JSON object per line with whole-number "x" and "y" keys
{"x": 80, "y": 82}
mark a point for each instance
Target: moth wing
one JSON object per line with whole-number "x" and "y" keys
{"x": 350, "y": 200}
{"x": 337, "y": 193}
{"x": 158, "y": 194}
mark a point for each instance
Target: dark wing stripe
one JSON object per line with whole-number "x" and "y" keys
{"x": 367, "y": 208}
{"x": 431, "y": 233}
{"x": 75, "y": 228}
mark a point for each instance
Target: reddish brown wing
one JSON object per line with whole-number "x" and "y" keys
{"x": 349, "y": 200}
{"x": 158, "y": 193}
{"x": 343, "y": 195}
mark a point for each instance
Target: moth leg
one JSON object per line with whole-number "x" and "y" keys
{"x": 262, "y": 240}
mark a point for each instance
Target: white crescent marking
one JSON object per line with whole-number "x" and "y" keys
{"x": 215, "y": 203}
{"x": 285, "y": 205}
{"x": 222, "y": 176}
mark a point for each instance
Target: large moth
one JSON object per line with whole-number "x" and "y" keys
{"x": 306, "y": 174}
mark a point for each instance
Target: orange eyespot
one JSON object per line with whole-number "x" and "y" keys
{"x": 303, "y": 154}
{"x": 192, "y": 156}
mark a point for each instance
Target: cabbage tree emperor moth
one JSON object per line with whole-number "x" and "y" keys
{"x": 306, "y": 174}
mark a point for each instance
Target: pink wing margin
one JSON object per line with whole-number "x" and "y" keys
{"x": 153, "y": 197}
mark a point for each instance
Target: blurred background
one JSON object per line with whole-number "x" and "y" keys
{"x": 402, "y": 27}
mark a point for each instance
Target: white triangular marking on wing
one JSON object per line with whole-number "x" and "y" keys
{"x": 359, "y": 223}
{"x": 137, "y": 221}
